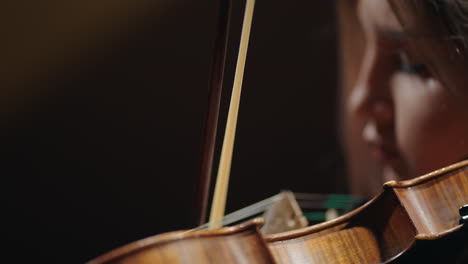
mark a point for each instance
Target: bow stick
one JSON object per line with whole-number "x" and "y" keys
{"x": 222, "y": 180}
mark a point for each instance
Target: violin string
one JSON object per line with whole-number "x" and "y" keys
{"x": 233, "y": 219}
{"x": 261, "y": 206}
{"x": 244, "y": 212}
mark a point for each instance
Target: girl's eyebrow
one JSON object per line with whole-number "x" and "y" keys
{"x": 403, "y": 36}
{"x": 394, "y": 34}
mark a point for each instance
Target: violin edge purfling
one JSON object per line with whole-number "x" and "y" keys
{"x": 398, "y": 220}
{"x": 126, "y": 252}
{"x": 384, "y": 230}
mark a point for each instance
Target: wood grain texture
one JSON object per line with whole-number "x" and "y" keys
{"x": 240, "y": 244}
{"x": 413, "y": 221}
{"x": 387, "y": 227}
{"x": 433, "y": 200}
{"x": 351, "y": 245}
{"x": 374, "y": 233}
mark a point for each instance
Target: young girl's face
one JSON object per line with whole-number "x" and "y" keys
{"x": 415, "y": 123}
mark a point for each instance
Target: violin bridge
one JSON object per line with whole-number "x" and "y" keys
{"x": 283, "y": 215}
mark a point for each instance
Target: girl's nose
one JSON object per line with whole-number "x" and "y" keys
{"x": 371, "y": 98}
{"x": 366, "y": 105}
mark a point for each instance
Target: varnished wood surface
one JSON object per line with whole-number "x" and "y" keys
{"x": 351, "y": 245}
{"x": 432, "y": 201}
{"x": 374, "y": 233}
{"x": 409, "y": 221}
{"x": 405, "y": 212}
{"x": 239, "y": 244}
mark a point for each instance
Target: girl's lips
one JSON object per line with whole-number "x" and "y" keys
{"x": 383, "y": 153}
{"x": 380, "y": 142}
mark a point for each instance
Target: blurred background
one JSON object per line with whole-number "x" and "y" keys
{"x": 103, "y": 105}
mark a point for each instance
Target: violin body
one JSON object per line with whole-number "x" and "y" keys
{"x": 410, "y": 221}
{"x": 238, "y": 244}
{"x": 404, "y": 224}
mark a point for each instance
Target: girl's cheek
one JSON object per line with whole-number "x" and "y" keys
{"x": 417, "y": 118}
{"x": 428, "y": 127}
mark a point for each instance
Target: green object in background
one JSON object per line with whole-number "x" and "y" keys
{"x": 315, "y": 216}
{"x": 341, "y": 201}
{"x": 316, "y": 205}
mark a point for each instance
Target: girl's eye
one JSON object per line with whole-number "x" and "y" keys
{"x": 404, "y": 65}
{"x": 413, "y": 68}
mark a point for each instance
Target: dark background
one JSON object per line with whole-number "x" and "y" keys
{"x": 103, "y": 104}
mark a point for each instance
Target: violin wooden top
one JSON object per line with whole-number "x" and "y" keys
{"x": 394, "y": 226}
{"x": 425, "y": 208}
{"x": 238, "y": 244}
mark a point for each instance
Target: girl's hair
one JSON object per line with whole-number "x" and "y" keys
{"x": 454, "y": 13}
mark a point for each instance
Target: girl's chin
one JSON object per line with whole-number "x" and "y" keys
{"x": 389, "y": 174}
{"x": 395, "y": 172}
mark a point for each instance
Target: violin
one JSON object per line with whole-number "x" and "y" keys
{"x": 418, "y": 220}
{"x": 413, "y": 221}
